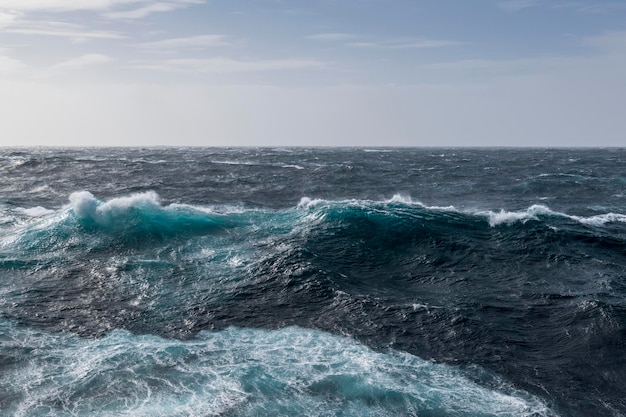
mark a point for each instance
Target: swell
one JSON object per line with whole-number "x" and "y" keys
{"x": 527, "y": 295}
{"x": 141, "y": 216}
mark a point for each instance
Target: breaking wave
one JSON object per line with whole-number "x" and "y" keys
{"x": 239, "y": 372}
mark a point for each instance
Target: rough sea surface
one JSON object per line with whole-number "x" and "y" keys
{"x": 317, "y": 282}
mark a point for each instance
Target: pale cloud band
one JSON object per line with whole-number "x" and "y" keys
{"x": 227, "y": 65}
{"x": 199, "y": 41}
{"x": 77, "y": 5}
{"x": 352, "y": 40}
{"x": 83, "y": 61}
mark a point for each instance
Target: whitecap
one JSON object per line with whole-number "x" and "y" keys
{"x": 85, "y": 205}
{"x": 535, "y": 211}
{"x": 601, "y": 219}
{"x": 307, "y": 202}
{"x": 35, "y": 211}
{"x": 508, "y": 217}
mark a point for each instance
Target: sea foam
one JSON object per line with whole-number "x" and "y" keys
{"x": 85, "y": 205}
{"x": 239, "y": 372}
{"x": 36, "y": 211}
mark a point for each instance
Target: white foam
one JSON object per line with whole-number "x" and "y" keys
{"x": 86, "y": 206}
{"x": 245, "y": 372}
{"x": 306, "y": 202}
{"x": 534, "y": 211}
{"x": 404, "y": 199}
{"x": 41, "y": 189}
{"x": 508, "y": 217}
{"x": 35, "y": 211}
{"x": 601, "y": 219}
{"x": 147, "y": 199}
{"x": 15, "y": 161}
{"x": 378, "y": 150}
{"x": 227, "y": 162}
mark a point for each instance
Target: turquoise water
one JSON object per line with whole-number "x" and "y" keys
{"x": 346, "y": 282}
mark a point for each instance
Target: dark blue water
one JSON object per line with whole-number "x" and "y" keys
{"x": 318, "y": 282}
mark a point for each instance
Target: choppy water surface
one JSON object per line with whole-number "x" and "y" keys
{"x": 322, "y": 282}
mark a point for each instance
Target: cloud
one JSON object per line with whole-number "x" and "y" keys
{"x": 603, "y": 61}
{"x": 64, "y": 5}
{"x": 76, "y": 33}
{"x": 404, "y": 44}
{"x": 13, "y": 22}
{"x": 115, "y": 9}
{"x": 227, "y": 65}
{"x": 82, "y": 61}
{"x": 7, "y": 18}
{"x": 401, "y": 43}
{"x": 332, "y": 36}
{"x": 196, "y": 42}
{"x": 516, "y": 5}
{"x": 583, "y": 6}
{"x": 151, "y": 8}
{"x": 588, "y": 7}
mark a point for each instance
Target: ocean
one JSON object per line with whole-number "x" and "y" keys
{"x": 312, "y": 281}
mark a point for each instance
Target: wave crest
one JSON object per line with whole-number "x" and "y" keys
{"x": 86, "y": 206}
{"x": 141, "y": 215}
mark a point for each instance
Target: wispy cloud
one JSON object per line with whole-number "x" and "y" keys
{"x": 404, "y": 44}
{"x": 516, "y": 5}
{"x": 227, "y": 65}
{"x": 144, "y": 11}
{"x": 490, "y": 67}
{"x": 583, "y": 6}
{"x": 591, "y": 7}
{"x": 400, "y": 43}
{"x": 64, "y": 5}
{"x": 7, "y": 18}
{"x": 194, "y": 42}
{"x": 608, "y": 49}
{"x": 83, "y": 61}
{"x": 60, "y": 29}
{"x": 332, "y": 36}
{"x": 117, "y": 9}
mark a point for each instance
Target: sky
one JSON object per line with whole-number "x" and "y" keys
{"x": 313, "y": 73}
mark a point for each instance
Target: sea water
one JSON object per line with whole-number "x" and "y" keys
{"x": 318, "y": 282}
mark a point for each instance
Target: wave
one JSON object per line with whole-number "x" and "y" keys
{"x": 135, "y": 219}
{"x": 13, "y": 161}
{"x": 141, "y": 219}
{"x": 389, "y": 273}
{"x": 143, "y": 212}
{"x": 147, "y": 206}
{"x": 494, "y": 218}
{"x": 537, "y": 211}
{"x": 239, "y": 372}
